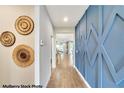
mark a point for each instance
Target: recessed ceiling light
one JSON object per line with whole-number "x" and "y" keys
{"x": 65, "y": 19}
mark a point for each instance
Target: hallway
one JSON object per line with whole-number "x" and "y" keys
{"x": 65, "y": 75}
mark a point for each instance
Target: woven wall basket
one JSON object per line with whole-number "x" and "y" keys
{"x": 24, "y": 25}
{"x": 7, "y": 38}
{"x": 23, "y": 55}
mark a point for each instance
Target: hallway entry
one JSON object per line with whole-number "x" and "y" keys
{"x": 65, "y": 75}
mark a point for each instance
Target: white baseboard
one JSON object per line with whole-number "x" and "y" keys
{"x": 45, "y": 86}
{"x": 82, "y": 78}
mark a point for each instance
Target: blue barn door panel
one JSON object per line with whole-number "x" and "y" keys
{"x": 92, "y": 55}
{"x": 100, "y": 45}
{"x": 113, "y": 45}
{"x": 82, "y": 44}
{"x": 77, "y": 46}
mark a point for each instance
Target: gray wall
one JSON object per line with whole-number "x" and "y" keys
{"x": 46, "y": 31}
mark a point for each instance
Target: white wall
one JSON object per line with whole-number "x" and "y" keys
{"x": 54, "y": 49}
{"x": 46, "y": 31}
{"x": 64, "y": 30}
{"x": 37, "y": 46}
{"x": 10, "y": 73}
{"x": 64, "y": 37}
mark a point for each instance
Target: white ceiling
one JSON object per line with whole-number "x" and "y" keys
{"x": 58, "y": 12}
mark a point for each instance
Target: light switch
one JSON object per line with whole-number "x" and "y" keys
{"x": 41, "y": 43}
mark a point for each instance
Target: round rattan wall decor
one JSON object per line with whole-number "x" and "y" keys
{"x": 24, "y": 25}
{"x": 7, "y": 38}
{"x": 23, "y": 55}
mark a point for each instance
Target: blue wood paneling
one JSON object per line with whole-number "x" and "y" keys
{"x": 99, "y": 46}
{"x": 77, "y": 58}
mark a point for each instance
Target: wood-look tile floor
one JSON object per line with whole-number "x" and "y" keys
{"x": 65, "y": 75}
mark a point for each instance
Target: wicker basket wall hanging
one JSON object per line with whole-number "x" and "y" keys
{"x": 23, "y": 55}
{"x": 7, "y": 38}
{"x": 24, "y": 25}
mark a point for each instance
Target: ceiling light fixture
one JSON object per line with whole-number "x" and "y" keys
{"x": 65, "y": 19}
